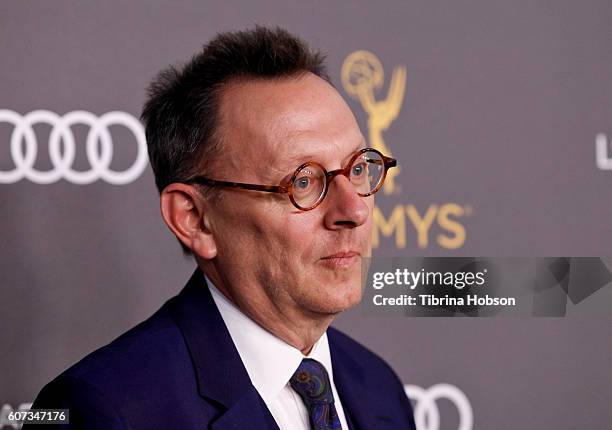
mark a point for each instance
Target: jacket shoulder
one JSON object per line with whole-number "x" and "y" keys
{"x": 129, "y": 376}
{"x": 385, "y": 391}
{"x": 138, "y": 349}
{"x": 374, "y": 366}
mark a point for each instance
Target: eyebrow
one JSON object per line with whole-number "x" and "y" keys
{"x": 295, "y": 162}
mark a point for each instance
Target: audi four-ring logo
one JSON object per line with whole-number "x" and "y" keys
{"x": 24, "y": 147}
{"x": 426, "y": 413}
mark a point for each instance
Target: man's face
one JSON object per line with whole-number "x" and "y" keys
{"x": 268, "y": 251}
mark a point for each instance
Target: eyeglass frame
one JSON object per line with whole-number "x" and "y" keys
{"x": 388, "y": 163}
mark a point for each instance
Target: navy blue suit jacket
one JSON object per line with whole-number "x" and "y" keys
{"x": 180, "y": 370}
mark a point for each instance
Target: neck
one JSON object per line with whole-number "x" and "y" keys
{"x": 297, "y": 327}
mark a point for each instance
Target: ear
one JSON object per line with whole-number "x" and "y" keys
{"x": 185, "y": 213}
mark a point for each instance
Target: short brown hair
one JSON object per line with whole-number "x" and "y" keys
{"x": 181, "y": 110}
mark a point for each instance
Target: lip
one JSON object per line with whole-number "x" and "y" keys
{"x": 342, "y": 254}
{"x": 341, "y": 260}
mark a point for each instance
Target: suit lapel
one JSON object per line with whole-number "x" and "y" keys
{"x": 223, "y": 380}
{"x": 249, "y": 412}
{"x": 221, "y": 376}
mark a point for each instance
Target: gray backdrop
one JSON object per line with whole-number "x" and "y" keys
{"x": 495, "y": 134}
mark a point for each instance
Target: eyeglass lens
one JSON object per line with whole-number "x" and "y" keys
{"x": 310, "y": 182}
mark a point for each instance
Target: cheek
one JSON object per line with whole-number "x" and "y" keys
{"x": 282, "y": 244}
{"x": 294, "y": 253}
{"x": 366, "y": 230}
{"x": 298, "y": 234}
{"x": 239, "y": 236}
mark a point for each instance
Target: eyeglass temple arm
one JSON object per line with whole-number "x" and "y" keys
{"x": 213, "y": 182}
{"x": 389, "y": 162}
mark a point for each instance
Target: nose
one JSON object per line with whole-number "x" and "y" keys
{"x": 344, "y": 208}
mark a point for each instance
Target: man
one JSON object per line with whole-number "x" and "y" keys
{"x": 264, "y": 177}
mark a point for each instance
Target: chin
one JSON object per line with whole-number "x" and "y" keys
{"x": 337, "y": 298}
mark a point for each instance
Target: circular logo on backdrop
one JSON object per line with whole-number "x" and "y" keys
{"x": 426, "y": 412}
{"x": 62, "y": 147}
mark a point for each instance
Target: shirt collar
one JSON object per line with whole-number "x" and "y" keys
{"x": 269, "y": 361}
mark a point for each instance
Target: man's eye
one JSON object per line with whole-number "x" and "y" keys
{"x": 358, "y": 169}
{"x": 302, "y": 183}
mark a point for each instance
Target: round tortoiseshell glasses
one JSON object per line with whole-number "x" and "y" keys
{"x": 308, "y": 185}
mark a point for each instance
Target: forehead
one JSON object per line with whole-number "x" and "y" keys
{"x": 284, "y": 122}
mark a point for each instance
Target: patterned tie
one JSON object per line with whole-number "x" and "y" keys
{"x": 311, "y": 382}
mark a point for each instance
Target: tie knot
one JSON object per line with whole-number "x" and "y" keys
{"x": 311, "y": 382}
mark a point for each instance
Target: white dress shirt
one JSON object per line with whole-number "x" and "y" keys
{"x": 270, "y": 363}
